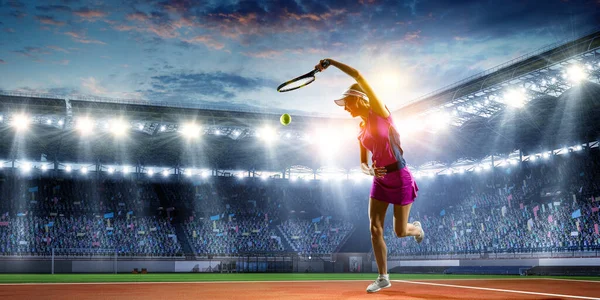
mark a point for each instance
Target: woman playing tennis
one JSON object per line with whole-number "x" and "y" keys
{"x": 392, "y": 181}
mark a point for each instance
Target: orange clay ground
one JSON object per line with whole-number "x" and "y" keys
{"x": 322, "y": 289}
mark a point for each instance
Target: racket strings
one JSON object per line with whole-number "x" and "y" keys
{"x": 297, "y": 83}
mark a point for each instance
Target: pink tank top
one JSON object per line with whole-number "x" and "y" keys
{"x": 379, "y": 135}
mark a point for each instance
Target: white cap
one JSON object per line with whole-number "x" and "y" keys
{"x": 350, "y": 92}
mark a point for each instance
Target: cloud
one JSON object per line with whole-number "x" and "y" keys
{"x": 49, "y": 20}
{"x": 137, "y": 16}
{"x": 16, "y": 4}
{"x": 81, "y": 38}
{"x": 18, "y": 14}
{"x": 206, "y": 40}
{"x": 53, "y": 8}
{"x": 412, "y": 36}
{"x": 205, "y": 86}
{"x": 90, "y": 14}
{"x": 9, "y": 30}
{"x": 263, "y": 54}
{"x": 91, "y": 85}
{"x": 32, "y": 52}
{"x": 2, "y": 61}
{"x": 56, "y": 48}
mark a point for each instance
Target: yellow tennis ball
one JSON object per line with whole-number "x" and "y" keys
{"x": 285, "y": 119}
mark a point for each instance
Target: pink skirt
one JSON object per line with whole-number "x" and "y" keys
{"x": 398, "y": 188}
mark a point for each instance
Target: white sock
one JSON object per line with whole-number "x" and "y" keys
{"x": 386, "y": 276}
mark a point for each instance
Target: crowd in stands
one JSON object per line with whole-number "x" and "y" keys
{"x": 544, "y": 205}
{"x": 317, "y": 236}
{"x": 238, "y": 233}
{"x": 131, "y": 235}
{"x": 549, "y": 205}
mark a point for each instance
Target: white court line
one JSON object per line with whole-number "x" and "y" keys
{"x": 495, "y": 290}
{"x": 561, "y": 279}
{"x": 186, "y": 282}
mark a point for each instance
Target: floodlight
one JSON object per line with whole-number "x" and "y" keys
{"x": 163, "y": 128}
{"x": 165, "y": 173}
{"x": 21, "y": 121}
{"x": 532, "y": 157}
{"x": 205, "y": 174}
{"x": 68, "y": 169}
{"x": 60, "y": 122}
{"x": 515, "y": 98}
{"x": 264, "y": 177}
{"x": 44, "y": 167}
{"x": 478, "y": 169}
{"x": 267, "y": 134}
{"x": 576, "y": 74}
{"x": 141, "y": 127}
{"x": 578, "y": 148}
{"x": 217, "y": 132}
{"x": 26, "y": 167}
{"x": 85, "y": 125}
{"x": 49, "y": 121}
{"x": 150, "y": 172}
{"x": 111, "y": 170}
{"x": 546, "y": 155}
{"x": 84, "y": 170}
{"x": 188, "y": 173}
{"x": 190, "y": 130}
{"x": 125, "y": 170}
{"x": 514, "y": 162}
{"x": 118, "y": 127}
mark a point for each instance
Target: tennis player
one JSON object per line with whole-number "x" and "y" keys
{"x": 392, "y": 181}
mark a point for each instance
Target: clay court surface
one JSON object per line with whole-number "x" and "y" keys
{"x": 509, "y": 288}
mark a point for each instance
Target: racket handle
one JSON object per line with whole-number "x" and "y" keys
{"x": 325, "y": 63}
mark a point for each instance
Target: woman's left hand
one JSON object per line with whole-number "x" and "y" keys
{"x": 323, "y": 64}
{"x": 378, "y": 172}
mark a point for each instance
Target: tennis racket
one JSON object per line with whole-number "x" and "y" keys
{"x": 301, "y": 81}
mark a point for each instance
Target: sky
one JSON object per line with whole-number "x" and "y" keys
{"x": 233, "y": 54}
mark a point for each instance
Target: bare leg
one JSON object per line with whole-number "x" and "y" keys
{"x": 401, "y": 226}
{"x": 377, "y": 210}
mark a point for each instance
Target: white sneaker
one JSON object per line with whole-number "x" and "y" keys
{"x": 380, "y": 283}
{"x": 420, "y": 237}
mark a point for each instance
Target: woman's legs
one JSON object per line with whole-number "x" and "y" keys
{"x": 377, "y": 210}
{"x": 401, "y": 226}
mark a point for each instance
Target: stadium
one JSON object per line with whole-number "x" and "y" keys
{"x": 107, "y": 198}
